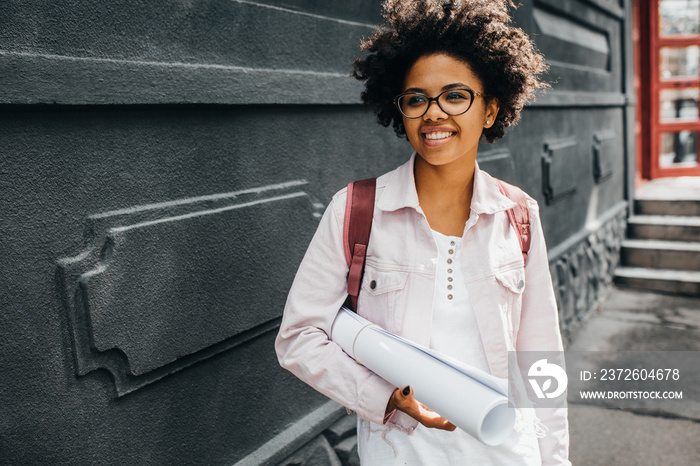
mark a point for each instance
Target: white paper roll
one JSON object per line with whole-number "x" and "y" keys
{"x": 471, "y": 399}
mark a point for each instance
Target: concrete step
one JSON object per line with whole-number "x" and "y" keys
{"x": 680, "y": 207}
{"x": 664, "y": 227}
{"x": 667, "y": 281}
{"x": 657, "y": 254}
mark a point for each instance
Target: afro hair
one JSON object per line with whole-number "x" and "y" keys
{"x": 478, "y": 32}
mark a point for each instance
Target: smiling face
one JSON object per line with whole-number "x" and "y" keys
{"x": 440, "y": 138}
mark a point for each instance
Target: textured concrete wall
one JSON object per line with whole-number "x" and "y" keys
{"x": 162, "y": 168}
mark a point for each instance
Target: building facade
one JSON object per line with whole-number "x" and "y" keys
{"x": 163, "y": 166}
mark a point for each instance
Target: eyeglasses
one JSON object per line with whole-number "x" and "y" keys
{"x": 453, "y": 102}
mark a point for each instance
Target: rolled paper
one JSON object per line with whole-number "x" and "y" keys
{"x": 469, "y": 398}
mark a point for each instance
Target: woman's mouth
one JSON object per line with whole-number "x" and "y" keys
{"x": 437, "y": 138}
{"x": 438, "y": 135}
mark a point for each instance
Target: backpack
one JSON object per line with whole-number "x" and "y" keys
{"x": 357, "y": 225}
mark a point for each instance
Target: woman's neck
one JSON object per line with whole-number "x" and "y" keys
{"x": 445, "y": 194}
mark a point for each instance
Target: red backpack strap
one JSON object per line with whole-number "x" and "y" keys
{"x": 519, "y": 215}
{"x": 359, "y": 210}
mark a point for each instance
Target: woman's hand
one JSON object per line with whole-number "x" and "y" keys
{"x": 402, "y": 399}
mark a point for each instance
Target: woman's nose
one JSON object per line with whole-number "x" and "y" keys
{"x": 434, "y": 112}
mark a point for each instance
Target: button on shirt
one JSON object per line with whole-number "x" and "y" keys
{"x": 455, "y": 331}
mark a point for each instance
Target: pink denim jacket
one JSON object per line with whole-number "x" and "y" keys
{"x": 514, "y": 303}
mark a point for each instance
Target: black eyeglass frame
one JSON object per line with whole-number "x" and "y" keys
{"x": 436, "y": 100}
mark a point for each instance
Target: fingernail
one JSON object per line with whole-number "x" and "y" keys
{"x": 406, "y": 390}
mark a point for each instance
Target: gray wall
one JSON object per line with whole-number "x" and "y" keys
{"x": 162, "y": 168}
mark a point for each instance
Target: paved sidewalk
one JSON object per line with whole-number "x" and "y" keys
{"x": 632, "y": 320}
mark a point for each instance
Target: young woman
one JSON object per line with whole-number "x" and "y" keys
{"x": 444, "y": 265}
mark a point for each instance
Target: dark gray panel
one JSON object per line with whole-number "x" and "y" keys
{"x": 558, "y": 180}
{"x": 582, "y": 44}
{"x": 605, "y": 157}
{"x": 169, "y": 280}
{"x": 569, "y": 42}
{"x": 197, "y": 272}
{"x": 613, "y": 7}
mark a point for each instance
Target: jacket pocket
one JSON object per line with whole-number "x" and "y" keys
{"x": 513, "y": 280}
{"x": 379, "y": 294}
{"x": 513, "y": 284}
{"x": 377, "y": 282}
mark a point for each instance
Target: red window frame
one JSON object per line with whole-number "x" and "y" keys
{"x": 656, "y": 85}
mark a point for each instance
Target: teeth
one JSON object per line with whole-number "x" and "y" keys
{"x": 436, "y": 135}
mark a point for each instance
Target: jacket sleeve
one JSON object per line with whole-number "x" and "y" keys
{"x": 539, "y": 331}
{"x": 303, "y": 343}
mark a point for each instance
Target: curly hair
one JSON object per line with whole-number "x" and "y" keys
{"x": 478, "y": 32}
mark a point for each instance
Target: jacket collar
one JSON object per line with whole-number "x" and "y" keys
{"x": 400, "y": 191}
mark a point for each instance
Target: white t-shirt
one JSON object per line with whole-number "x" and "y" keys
{"x": 454, "y": 332}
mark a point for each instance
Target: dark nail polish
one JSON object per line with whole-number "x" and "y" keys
{"x": 406, "y": 390}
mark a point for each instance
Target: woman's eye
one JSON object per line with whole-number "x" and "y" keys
{"x": 416, "y": 100}
{"x": 457, "y": 96}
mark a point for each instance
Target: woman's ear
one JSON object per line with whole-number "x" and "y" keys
{"x": 492, "y": 107}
